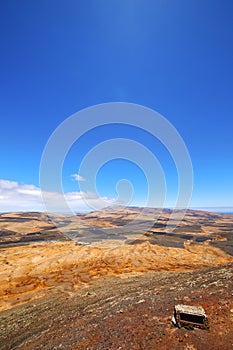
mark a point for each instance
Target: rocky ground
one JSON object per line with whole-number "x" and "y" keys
{"x": 129, "y": 313}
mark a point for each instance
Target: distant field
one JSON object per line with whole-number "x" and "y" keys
{"x": 117, "y": 224}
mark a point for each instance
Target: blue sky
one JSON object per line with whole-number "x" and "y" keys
{"x": 58, "y": 57}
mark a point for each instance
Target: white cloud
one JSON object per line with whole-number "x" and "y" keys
{"x": 6, "y": 184}
{"x": 25, "y": 197}
{"x": 19, "y": 197}
{"x": 77, "y": 177}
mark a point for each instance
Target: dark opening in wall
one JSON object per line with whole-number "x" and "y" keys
{"x": 192, "y": 318}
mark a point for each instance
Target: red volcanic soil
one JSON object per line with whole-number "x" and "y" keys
{"x": 129, "y": 313}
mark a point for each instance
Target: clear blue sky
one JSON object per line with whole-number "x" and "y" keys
{"x": 58, "y": 57}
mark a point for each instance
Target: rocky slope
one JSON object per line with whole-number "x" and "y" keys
{"x": 131, "y": 313}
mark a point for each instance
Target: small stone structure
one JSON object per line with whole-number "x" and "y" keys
{"x": 185, "y": 315}
{"x": 82, "y": 243}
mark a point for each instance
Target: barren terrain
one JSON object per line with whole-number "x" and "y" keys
{"x": 83, "y": 284}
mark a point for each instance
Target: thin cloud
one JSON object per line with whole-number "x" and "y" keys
{"x": 78, "y": 177}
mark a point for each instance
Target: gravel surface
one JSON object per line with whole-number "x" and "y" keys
{"x": 129, "y": 313}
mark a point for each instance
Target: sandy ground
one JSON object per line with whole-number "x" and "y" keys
{"x": 33, "y": 270}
